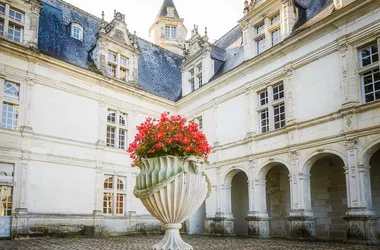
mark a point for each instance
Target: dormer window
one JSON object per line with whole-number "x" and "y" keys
{"x": 118, "y": 66}
{"x": 76, "y": 31}
{"x": 15, "y": 15}
{"x": 171, "y": 32}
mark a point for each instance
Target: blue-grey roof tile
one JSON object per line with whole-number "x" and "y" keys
{"x": 230, "y": 37}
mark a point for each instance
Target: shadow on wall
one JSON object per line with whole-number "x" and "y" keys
{"x": 239, "y": 200}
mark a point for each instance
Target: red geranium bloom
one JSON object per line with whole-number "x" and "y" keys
{"x": 170, "y": 135}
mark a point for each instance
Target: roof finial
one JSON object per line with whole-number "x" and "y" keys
{"x": 102, "y": 15}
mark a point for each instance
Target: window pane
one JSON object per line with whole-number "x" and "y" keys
{"x": 1, "y": 28}
{"x": 120, "y": 185}
{"x": 369, "y": 55}
{"x": 278, "y": 92}
{"x": 275, "y": 19}
{"x": 107, "y": 203}
{"x": 276, "y": 37}
{"x": 2, "y": 9}
{"x": 110, "y": 136}
{"x": 15, "y": 15}
{"x": 14, "y": 33}
{"x": 11, "y": 90}
{"x": 124, "y": 61}
{"x": 112, "y": 70}
{"x": 119, "y": 204}
{"x": 279, "y": 116}
{"x": 111, "y": 118}
{"x": 371, "y": 82}
{"x": 108, "y": 183}
{"x": 122, "y": 138}
{"x": 264, "y": 121}
{"x": 260, "y": 28}
{"x": 111, "y": 57}
{"x": 260, "y": 45}
{"x": 9, "y": 116}
{"x": 123, "y": 74}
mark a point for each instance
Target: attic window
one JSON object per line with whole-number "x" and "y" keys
{"x": 171, "y": 32}
{"x": 76, "y": 31}
{"x": 2, "y": 9}
{"x": 15, "y": 15}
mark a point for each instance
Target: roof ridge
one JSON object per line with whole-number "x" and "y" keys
{"x": 226, "y": 34}
{"x": 77, "y": 8}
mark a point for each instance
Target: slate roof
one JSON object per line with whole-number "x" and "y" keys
{"x": 159, "y": 69}
{"x": 308, "y": 9}
{"x": 230, "y": 37}
{"x": 164, "y": 8}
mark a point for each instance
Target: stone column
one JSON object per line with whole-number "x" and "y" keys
{"x": 258, "y": 220}
{"x": 360, "y": 215}
{"x": 302, "y": 222}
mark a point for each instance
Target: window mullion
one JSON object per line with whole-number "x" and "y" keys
{"x": 114, "y": 194}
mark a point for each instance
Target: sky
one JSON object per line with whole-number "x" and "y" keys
{"x": 218, "y": 15}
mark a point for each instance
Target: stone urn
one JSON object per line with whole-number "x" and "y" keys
{"x": 172, "y": 189}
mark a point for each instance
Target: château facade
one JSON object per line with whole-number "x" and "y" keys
{"x": 289, "y": 100}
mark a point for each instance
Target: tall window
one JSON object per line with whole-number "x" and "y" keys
{"x": 117, "y": 131}
{"x": 260, "y": 45}
{"x": 118, "y": 66}
{"x": 276, "y": 37}
{"x": 10, "y": 107}
{"x": 369, "y": 73}
{"x": 271, "y": 108}
{"x": 196, "y": 77}
{"x": 76, "y": 31}
{"x": 114, "y": 195}
{"x": 171, "y": 32}
{"x": 14, "y": 19}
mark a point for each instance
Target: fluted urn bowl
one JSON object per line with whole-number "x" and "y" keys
{"x": 172, "y": 189}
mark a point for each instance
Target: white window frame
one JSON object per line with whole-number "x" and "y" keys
{"x": 276, "y": 40}
{"x": 11, "y": 24}
{"x": 7, "y": 100}
{"x": 196, "y": 77}
{"x": 79, "y": 28}
{"x": 269, "y": 105}
{"x": 260, "y": 28}
{"x": 171, "y": 32}
{"x": 118, "y": 127}
{"x": 14, "y": 18}
{"x": 114, "y": 191}
{"x": 117, "y": 60}
{"x": 2, "y": 27}
{"x": 258, "y": 42}
{"x": 373, "y": 67}
{"x": 275, "y": 19}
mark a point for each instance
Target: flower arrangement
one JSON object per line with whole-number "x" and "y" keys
{"x": 169, "y": 135}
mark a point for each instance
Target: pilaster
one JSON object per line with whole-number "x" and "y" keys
{"x": 289, "y": 94}
{"x": 360, "y": 215}
{"x": 251, "y": 100}
{"x": 351, "y": 90}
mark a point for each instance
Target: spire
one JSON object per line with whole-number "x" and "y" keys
{"x": 168, "y": 9}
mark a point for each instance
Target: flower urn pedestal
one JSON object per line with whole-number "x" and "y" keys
{"x": 172, "y": 189}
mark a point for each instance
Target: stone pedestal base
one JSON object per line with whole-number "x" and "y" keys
{"x": 219, "y": 226}
{"x": 258, "y": 227}
{"x": 20, "y": 222}
{"x": 361, "y": 229}
{"x": 172, "y": 240}
{"x": 302, "y": 227}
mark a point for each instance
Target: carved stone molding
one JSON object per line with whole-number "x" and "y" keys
{"x": 351, "y": 143}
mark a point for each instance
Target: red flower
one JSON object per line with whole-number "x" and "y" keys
{"x": 170, "y": 135}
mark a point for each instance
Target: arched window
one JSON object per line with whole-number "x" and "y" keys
{"x": 10, "y": 107}
{"x": 76, "y": 31}
{"x": 117, "y": 131}
{"x": 114, "y": 195}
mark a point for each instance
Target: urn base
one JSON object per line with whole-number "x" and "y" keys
{"x": 172, "y": 239}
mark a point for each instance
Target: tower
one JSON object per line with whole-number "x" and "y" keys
{"x": 168, "y": 30}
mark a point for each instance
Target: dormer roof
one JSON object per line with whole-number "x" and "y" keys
{"x": 164, "y": 9}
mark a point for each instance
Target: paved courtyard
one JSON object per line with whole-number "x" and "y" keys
{"x": 145, "y": 242}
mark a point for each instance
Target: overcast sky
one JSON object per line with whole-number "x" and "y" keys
{"x": 218, "y": 15}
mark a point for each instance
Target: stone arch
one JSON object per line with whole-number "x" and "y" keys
{"x": 235, "y": 192}
{"x": 269, "y": 164}
{"x": 229, "y": 173}
{"x": 308, "y": 161}
{"x": 368, "y": 150}
{"x": 274, "y": 175}
{"x": 326, "y": 192}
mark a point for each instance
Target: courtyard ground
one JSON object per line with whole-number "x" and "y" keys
{"x": 145, "y": 242}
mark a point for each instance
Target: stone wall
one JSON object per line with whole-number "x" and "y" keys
{"x": 328, "y": 197}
